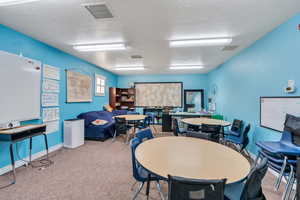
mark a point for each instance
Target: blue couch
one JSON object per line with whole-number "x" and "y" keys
{"x": 101, "y": 132}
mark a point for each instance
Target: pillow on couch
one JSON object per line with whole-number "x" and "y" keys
{"x": 99, "y": 122}
{"x": 108, "y": 108}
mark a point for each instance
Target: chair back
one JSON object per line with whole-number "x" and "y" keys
{"x": 213, "y": 130}
{"x": 175, "y": 127}
{"x": 192, "y": 189}
{"x": 145, "y": 134}
{"x": 121, "y": 126}
{"x": 246, "y": 137}
{"x": 252, "y": 189}
{"x": 134, "y": 144}
{"x": 237, "y": 126}
{"x": 292, "y": 125}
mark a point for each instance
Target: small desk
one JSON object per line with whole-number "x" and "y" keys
{"x": 21, "y": 133}
{"x": 191, "y": 158}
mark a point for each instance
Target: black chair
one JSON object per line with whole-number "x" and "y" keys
{"x": 193, "y": 189}
{"x": 176, "y": 130}
{"x": 250, "y": 189}
{"x": 209, "y": 132}
{"x": 121, "y": 127}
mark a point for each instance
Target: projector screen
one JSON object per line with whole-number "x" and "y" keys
{"x": 274, "y": 109}
{"x": 158, "y": 94}
{"x": 20, "y": 87}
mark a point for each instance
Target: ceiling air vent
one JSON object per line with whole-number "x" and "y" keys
{"x": 230, "y": 48}
{"x": 99, "y": 11}
{"x": 136, "y": 57}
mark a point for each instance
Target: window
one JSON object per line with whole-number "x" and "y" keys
{"x": 99, "y": 85}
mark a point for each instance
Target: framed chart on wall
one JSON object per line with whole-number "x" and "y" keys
{"x": 79, "y": 87}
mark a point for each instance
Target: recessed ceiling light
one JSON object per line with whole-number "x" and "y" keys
{"x": 14, "y": 2}
{"x": 101, "y": 47}
{"x": 200, "y": 42}
{"x": 186, "y": 67}
{"x": 129, "y": 68}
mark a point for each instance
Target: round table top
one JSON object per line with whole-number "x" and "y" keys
{"x": 132, "y": 117}
{"x": 203, "y": 120}
{"x": 192, "y": 158}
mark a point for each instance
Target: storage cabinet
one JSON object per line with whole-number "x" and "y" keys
{"x": 122, "y": 98}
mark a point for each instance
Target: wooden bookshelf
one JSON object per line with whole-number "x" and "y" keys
{"x": 122, "y": 98}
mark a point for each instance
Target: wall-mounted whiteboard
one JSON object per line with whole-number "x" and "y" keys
{"x": 158, "y": 94}
{"x": 274, "y": 109}
{"x": 20, "y": 88}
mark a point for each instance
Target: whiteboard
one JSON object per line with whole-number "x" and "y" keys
{"x": 274, "y": 109}
{"x": 20, "y": 88}
{"x": 158, "y": 94}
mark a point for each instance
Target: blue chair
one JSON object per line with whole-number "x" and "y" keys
{"x": 241, "y": 141}
{"x": 139, "y": 173}
{"x": 249, "y": 188}
{"x": 144, "y": 134}
{"x": 281, "y": 155}
{"x": 176, "y": 130}
{"x": 236, "y": 128}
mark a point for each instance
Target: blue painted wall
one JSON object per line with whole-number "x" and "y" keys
{"x": 15, "y": 42}
{"x": 263, "y": 69}
{"x": 190, "y": 81}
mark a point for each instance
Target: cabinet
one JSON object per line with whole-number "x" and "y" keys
{"x": 122, "y": 98}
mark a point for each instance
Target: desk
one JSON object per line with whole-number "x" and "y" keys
{"x": 21, "y": 133}
{"x": 204, "y": 120}
{"x": 132, "y": 117}
{"x": 191, "y": 158}
{"x": 188, "y": 114}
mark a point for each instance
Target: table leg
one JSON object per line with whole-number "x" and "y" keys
{"x": 30, "y": 149}
{"x": 47, "y": 148}
{"x": 148, "y": 186}
{"x": 12, "y": 162}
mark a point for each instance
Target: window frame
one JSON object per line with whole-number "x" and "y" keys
{"x": 97, "y": 85}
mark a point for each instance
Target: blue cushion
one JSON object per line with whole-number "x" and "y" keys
{"x": 233, "y": 191}
{"x": 230, "y": 132}
{"x": 94, "y": 115}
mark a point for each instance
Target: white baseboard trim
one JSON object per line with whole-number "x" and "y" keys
{"x": 35, "y": 156}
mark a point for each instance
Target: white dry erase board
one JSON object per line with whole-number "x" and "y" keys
{"x": 274, "y": 109}
{"x": 20, "y": 88}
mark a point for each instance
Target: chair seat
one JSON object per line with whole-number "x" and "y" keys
{"x": 233, "y": 191}
{"x": 233, "y": 133}
{"x": 280, "y": 148}
{"x": 276, "y": 159}
{"x": 234, "y": 139}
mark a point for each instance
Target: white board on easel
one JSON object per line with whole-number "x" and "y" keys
{"x": 20, "y": 88}
{"x": 274, "y": 109}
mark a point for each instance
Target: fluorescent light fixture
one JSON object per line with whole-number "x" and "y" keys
{"x": 200, "y": 42}
{"x": 178, "y": 67}
{"x": 14, "y": 2}
{"x": 100, "y": 47}
{"x": 129, "y": 68}
{"x": 126, "y": 66}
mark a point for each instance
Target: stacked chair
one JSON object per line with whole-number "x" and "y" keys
{"x": 282, "y": 155}
{"x": 139, "y": 173}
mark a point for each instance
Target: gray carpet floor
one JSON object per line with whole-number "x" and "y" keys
{"x": 96, "y": 170}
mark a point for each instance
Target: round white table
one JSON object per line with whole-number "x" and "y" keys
{"x": 191, "y": 158}
{"x": 132, "y": 117}
{"x": 203, "y": 120}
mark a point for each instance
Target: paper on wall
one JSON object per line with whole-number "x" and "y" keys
{"x": 50, "y": 86}
{"x": 51, "y": 72}
{"x": 50, "y": 114}
{"x": 52, "y": 127}
{"x": 50, "y": 99}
